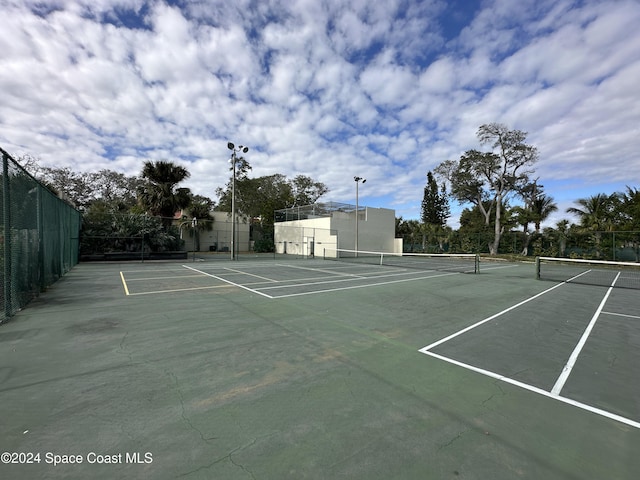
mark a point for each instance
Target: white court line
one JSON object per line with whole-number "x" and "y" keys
{"x": 302, "y": 282}
{"x": 539, "y": 391}
{"x": 566, "y": 371}
{"x": 620, "y": 315}
{"x": 157, "y": 292}
{"x": 162, "y": 278}
{"x": 511, "y": 381}
{"x": 228, "y": 281}
{"x": 333, "y": 272}
{"x": 124, "y": 283}
{"x": 477, "y": 324}
{"x": 250, "y": 274}
{"x": 513, "y": 307}
{"x": 333, "y": 279}
{"x": 362, "y": 286}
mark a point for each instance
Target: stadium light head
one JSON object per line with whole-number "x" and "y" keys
{"x": 360, "y": 179}
{"x": 230, "y": 146}
{"x": 244, "y": 149}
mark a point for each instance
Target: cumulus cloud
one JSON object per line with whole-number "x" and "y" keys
{"x": 329, "y": 89}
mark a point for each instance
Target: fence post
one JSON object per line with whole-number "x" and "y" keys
{"x": 6, "y": 220}
{"x": 613, "y": 241}
{"x": 40, "y": 229}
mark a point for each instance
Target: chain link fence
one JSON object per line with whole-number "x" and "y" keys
{"x": 38, "y": 237}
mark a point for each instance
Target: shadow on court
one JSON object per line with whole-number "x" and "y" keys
{"x": 303, "y": 369}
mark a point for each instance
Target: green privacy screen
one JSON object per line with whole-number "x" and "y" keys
{"x": 38, "y": 237}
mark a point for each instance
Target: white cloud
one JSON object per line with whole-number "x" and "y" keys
{"x": 328, "y": 89}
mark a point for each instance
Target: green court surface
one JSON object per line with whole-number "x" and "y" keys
{"x": 310, "y": 369}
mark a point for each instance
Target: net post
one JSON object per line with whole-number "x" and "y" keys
{"x": 476, "y": 266}
{"x": 537, "y": 268}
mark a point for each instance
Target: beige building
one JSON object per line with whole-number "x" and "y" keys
{"x": 320, "y": 229}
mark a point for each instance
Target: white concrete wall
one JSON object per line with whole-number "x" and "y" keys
{"x": 398, "y": 245}
{"x": 376, "y": 229}
{"x": 220, "y": 235}
{"x": 376, "y": 232}
{"x": 304, "y": 237}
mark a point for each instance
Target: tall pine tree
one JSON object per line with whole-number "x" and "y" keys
{"x": 435, "y": 204}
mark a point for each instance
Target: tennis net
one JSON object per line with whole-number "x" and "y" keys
{"x": 450, "y": 262}
{"x": 590, "y": 272}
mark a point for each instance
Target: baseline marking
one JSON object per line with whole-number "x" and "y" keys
{"x": 544, "y": 393}
{"x": 157, "y": 292}
{"x": 162, "y": 278}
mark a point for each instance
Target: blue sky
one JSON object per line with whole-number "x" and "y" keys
{"x": 325, "y": 88}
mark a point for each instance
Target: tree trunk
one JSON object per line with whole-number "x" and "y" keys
{"x": 493, "y": 248}
{"x": 527, "y": 239}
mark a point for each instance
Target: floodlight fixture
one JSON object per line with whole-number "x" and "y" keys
{"x": 230, "y": 146}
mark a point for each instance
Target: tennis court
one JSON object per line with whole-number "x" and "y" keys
{"x": 285, "y": 368}
{"x": 286, "y": 279}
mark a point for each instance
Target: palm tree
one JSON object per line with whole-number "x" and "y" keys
{"x": 201, "y": 210}
{"x": 630, "y": 208}
{"x": 595, "y": 214}
{"x": 159, "y": 195}
{"x": 542, "y": 207}
{"x": 538, "y": 207}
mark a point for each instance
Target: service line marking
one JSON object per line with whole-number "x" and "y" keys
{"x": 362, "y": 286}
{"x": 620, "y": 315}
{"x": 322, "y": 270}
{"x": 228, "y": 281}
{"x": 250, "y": 274}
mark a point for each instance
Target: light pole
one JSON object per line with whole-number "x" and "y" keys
{"x": 194, "y": 225}
{"x": 234, "y": 160}
{"x": 357, "y": 180}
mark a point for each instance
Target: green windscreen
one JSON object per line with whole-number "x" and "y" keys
{"x": 39, "y": 237}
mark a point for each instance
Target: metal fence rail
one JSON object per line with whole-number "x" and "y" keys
{"x": 39, "y": 237}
